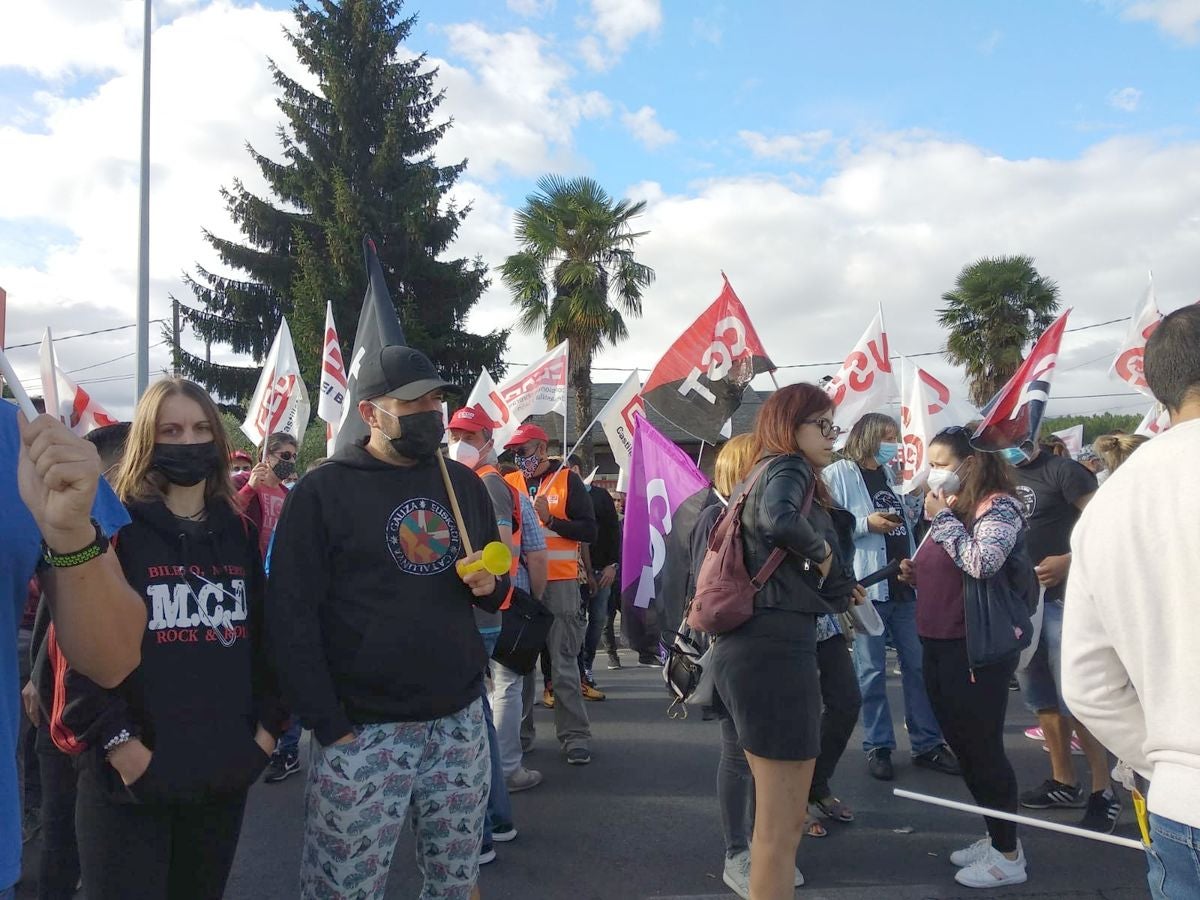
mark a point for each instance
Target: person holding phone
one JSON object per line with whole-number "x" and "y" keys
{"x": 863, "y": 484}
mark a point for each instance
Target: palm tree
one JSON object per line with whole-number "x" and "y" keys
{"x": 575, "y": 277}
{"x": 998, "y": 306}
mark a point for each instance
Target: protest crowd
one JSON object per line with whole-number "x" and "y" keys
{"x": 181, "y": 614}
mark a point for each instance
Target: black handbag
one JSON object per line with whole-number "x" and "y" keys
{"x": 524, "y": 627}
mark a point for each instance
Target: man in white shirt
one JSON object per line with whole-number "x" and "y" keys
{"x": 1132, "y": 623}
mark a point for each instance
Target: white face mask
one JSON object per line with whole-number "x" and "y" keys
{"x": 462, "y": 452}
{"x": 945, "y": 480}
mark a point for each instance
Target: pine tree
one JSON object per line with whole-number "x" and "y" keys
{"x": 357, "y": 159}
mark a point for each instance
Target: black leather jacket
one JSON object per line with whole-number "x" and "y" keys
{"x": 772, "y": 518}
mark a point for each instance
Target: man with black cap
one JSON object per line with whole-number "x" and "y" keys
{"x": 565, "y": 511}
{"x": 375, "y": 641}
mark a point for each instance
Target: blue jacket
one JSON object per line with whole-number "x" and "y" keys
{"x": 849, "y": 491}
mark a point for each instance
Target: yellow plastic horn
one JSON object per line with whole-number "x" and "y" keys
{"x": 496, "y": 558}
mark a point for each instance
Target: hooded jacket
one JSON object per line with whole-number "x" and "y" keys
{"x": 203, "y": 685}
{"x": 369, "y": 619}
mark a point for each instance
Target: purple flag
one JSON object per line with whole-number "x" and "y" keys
{"x": 662, "y": 480}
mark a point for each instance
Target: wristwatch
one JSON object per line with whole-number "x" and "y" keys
{"x": 96, "y": 548}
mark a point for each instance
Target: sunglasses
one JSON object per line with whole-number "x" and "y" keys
{"x": 286, "y": 455}
{"x": 952, "y": 430}
{"x": 828, "y": 429}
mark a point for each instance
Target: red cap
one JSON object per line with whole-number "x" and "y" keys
{"x": 469, "y": 418}
{"x": 241, "y": 454}
{"x": 527, "y": 432}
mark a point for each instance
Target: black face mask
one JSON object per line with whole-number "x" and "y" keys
{"x": 185, "y": 464}
{"x": 284, "y": 468}
{"x": 420, "y": 434}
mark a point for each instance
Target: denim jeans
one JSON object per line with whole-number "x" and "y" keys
{"x": 1174, "y": 859}
{"x": 499, "y": 807}
{"x": 1041, "y": 680}
{"x": 597, "y": 617}
{"x": 870, "y": 658}
{"x": 289, "y": 741}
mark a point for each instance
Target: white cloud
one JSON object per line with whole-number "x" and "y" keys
{"x": 989, "y": 44}
{"x": 513, "y": 108}
{"x": 617, "y": 23}
{"x": 707, "y": 29}
{"x": 531, "y": 8}
{"x": 1127, "y": 99}
{"x": 646, "y": 129}
{"x": 1178, "y": 18}
{"x": 787, "y": 147}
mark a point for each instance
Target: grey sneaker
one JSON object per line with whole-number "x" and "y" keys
{"x": 579, "y": 756}
{"x": 522, "y": 780}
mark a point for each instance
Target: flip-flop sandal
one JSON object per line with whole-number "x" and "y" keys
{"x": 814, "y": 828}
{"x": 834, "y": 808}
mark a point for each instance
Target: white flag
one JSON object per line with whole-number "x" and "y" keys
{"x": 1130, "y": 358}
{"x": 1073, "y": 438}
{"x": 331, "y": 403}
{"x": 485, "y": 397}
{"x": 280, "y": 401}
{"x": 1155, "y": 422}
{"x": 49, "y": 369}
{"x": 865, "y": 383}
{"x": 617, "y": 418}
{"x": 538, "y": 390}
{"x": 927, "y": 409}
{"x": 65, "y": 399}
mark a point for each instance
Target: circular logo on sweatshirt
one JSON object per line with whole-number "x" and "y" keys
{"x": 422, "y": 537}
{"x": 1028, "y": 499}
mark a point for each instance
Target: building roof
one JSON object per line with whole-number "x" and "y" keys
{"x": 743, "y": 418}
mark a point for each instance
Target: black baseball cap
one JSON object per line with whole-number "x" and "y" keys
{"x": 400, "y": 372}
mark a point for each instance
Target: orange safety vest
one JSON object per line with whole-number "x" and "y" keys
{"x": 562, "y": 554}
{"x": 516, "y": 532}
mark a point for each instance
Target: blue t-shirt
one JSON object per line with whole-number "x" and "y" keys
{"x": 20, "y": 549}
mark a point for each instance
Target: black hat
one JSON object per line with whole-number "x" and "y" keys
{"x": 400, "y": 372}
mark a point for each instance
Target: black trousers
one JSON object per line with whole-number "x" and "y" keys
{"x": 162, "y": 851}
{"x": 970, "y": 707}
{"x": 841, "y": 702}
{"x": 58, "y": 868}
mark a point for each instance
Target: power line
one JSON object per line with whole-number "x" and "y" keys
{"x": 68, "y": 337}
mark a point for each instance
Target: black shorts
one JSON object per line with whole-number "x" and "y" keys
{"x": 766, "y": 678}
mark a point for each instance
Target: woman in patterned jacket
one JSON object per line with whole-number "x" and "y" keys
{"x": 976, "y": 523}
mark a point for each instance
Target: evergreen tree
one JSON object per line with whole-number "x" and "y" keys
{"x": 357, "y": 159}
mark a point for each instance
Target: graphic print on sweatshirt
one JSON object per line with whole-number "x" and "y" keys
{"x": 205, "y": 604}
{"x": 423, "y": 537}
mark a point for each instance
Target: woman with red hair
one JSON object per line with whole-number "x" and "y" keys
{"x": 765, "y": 671}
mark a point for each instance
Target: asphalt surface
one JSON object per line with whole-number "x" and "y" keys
{"x": 641, "y": 822}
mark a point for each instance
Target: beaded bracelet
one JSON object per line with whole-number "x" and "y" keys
{"x": 122, "y": 737}
{"x": 96, "y": 548}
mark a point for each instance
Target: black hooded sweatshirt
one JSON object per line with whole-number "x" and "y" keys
{"x": 368, "y": 618}
{"x": 200, "y": 691}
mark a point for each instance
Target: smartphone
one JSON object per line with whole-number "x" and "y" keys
{"x": 892, "y": 517}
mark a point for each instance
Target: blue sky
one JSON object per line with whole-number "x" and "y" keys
{"x": 831, "y": 157}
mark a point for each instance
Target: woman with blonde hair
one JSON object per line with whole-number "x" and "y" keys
{"x": 1115, "y": 449}
{"x": 167, "y": 757}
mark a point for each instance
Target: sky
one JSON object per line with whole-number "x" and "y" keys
{"x": 831, "y": 159}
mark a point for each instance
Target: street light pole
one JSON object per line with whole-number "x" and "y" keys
{"x": 143, "y": 297}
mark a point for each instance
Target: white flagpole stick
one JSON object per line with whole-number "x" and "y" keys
{"x": 774, "y": 380}
{"x": 700, "y": 454}
{"x": 1022, "y": 820}
{"x": 18, "y": 389}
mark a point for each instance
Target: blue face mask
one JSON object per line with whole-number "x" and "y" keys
{"x": 1013, "y": 456}
{"x": 887, "y": 452}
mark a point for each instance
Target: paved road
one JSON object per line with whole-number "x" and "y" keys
{"x": 641, "y": 823}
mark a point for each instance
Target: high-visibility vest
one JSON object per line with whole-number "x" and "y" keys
{"x": 516, "y": 532}
{"x": 562, "y": 554}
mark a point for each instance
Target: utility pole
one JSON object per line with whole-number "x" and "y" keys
{"x": 175, "y": 352}
{"x": 143, "y": 297}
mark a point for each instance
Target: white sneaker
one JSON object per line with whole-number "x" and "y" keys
{"x": 970, "y": 855}
{"x": 522, "y": 780}
{"x": 737, "y": 874}
{"x": 993, "y": 870}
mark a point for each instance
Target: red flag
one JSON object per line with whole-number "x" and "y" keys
{"x": 1014, "y": 416}
{"x": 698, "y": 383}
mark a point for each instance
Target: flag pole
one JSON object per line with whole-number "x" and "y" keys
{"x": 700, "y": 454}
{"x": 458, "y": 516}
{"x": 18, "y": 389}
{"x": 143, "y": 294}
